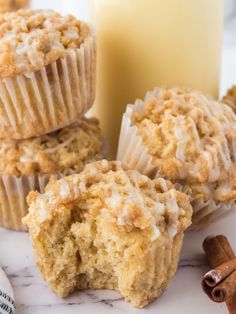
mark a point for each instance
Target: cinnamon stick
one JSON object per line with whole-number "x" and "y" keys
{"x": 218, "y": 250}
{"x": 226, "y": 289}
{"x": 231, "y": 305}
{"x": 220, "y": 283}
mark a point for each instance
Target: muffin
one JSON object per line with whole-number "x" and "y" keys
{"x": 188, "y": 138}
{"x": 108, "y": 228}
{"x": 230, "y": 98}
{"x": 27, "y": 165}
{"x": 12, "y": 5}
{"x": 47, "y": 72}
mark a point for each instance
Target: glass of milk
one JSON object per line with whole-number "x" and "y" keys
{"x": 147, "y": 43}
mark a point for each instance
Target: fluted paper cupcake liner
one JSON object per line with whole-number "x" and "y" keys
{"x": 209, "y": 212}
{"x": 13, "y": 193}
{"x": 51, "y": 98}
{"x": 133, "y": 153}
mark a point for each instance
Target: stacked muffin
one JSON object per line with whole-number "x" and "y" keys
{"x": 107, "y": 226}
{"x": 12, "y": 5}
{"x": 47, "y": 84}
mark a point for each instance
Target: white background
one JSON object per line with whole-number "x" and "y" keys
{"x": 80, "y": 8}
{"x": 76, "y": 7}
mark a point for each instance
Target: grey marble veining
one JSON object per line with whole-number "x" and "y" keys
{"x": 183, "y": 295}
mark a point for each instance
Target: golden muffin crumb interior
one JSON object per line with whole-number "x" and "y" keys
{"x": 108, "y": 228}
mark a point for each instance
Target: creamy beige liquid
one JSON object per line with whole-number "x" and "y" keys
{"x": 146, "y": 43}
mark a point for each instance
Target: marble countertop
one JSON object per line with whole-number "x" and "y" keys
{"x": 184, "y": 295}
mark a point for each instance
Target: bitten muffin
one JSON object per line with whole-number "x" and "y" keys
{"x": 12, "y": 5}
{"x": 47, "y": 72}
{"x": 108, "y": 228}
{"x": 27, "y": 165}
{"x": 230, "y": 98}
{"x": 188, "y": 138}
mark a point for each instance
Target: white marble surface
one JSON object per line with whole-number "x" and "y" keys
{"x": 184, "y": 295}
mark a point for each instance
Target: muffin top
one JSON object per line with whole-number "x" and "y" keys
{"x": 108, "y": 228}
{"x": 71, "y": 147}
{"x": 30, "y": 40}
{"x": 190, "y": 136}
{"x": 125, "y": 197}
{"x": 230, "y": 98}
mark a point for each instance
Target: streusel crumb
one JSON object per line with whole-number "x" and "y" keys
{"x": 30, "y": 40}
{"x": 230, "y": 98}
{"x": 190, "y": 136}
{"x": 70, "y": 147}
{"x": 12, "y": 5}
{"x": 108, "y": 228}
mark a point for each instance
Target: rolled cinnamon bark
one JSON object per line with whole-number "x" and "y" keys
{"x": 219, "y": 251}
{"x": 231, "y": 305}
{"x": 220, "y": 283}
{"x": 226, "y": 289}
{"x": 215, "y": 276}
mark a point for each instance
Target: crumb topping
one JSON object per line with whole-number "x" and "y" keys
{"x": 190, "y": 136}
{"x": 31, "y": 40}
{"x": 125, "y": 197}
{"x": 230, "y": 98}
{"x": 108, "y": 228}
{"x": 12, "y": 5}
{"x": 71, "y": 147}
{"x": 220, "y": 192}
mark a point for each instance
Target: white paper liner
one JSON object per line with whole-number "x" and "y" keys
{"x": 131, "y": 151}
{"x": 134, "y": 154}
{"x": 13, "y": 193}
{"x": 7, "y": 300}
{"x": 51, "y": 98}
{"x": 206, "y": 213}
